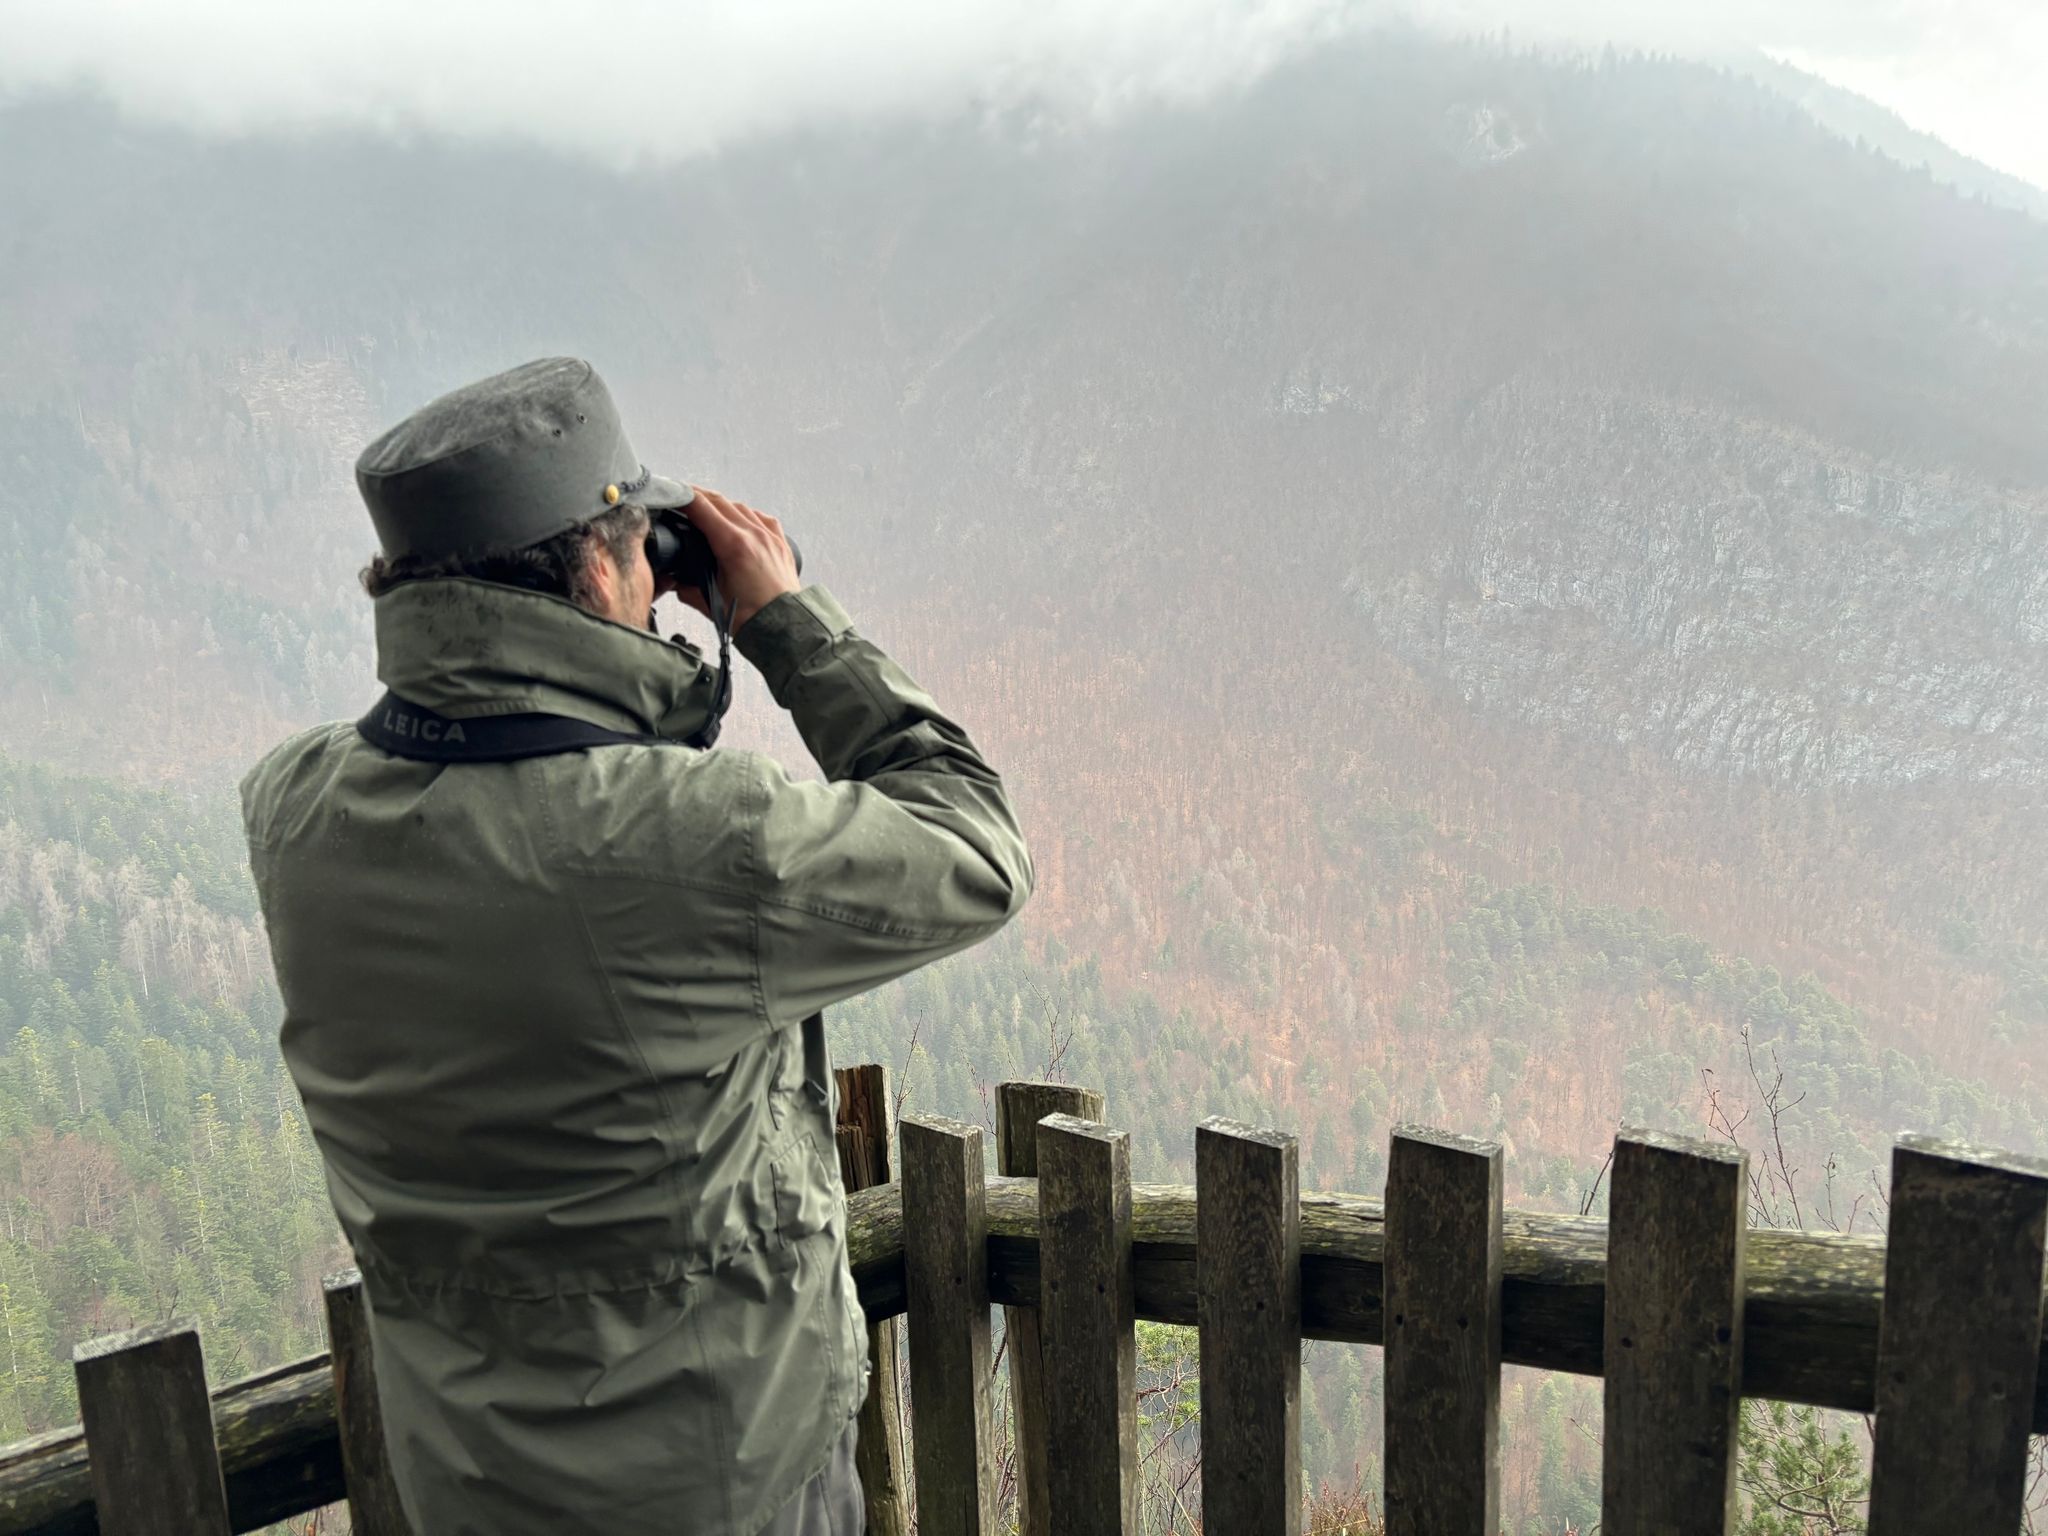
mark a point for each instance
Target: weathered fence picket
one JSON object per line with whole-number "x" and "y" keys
{"x": 1443, "y": 1290}
{"x": 945, "y": 1272}
{"x": 865, "y": 1161}
{"x": 373, "y": 1506}
{"x": 1019, "y": 1108}
{"x": 149, "y": 1432}
{"x": 1959, "y": 1344}
{"x": 1676, "y": 1224}
{"x": 1088, "y": 1322}
{"x": 1248, "y": 1300}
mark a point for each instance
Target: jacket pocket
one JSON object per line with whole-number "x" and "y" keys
{"x": 806, "y": 1193}
{"x": 786, "y": 1088}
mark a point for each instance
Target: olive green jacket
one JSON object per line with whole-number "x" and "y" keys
{"x": 546, "y": 1017}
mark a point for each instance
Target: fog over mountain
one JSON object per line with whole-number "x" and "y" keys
{"x": 630, "y": 80}
{"x": 1618, "y": 398}
{"x": 1501, "y": 579}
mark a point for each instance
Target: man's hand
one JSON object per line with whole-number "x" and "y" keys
{"x": 754, "y": 563}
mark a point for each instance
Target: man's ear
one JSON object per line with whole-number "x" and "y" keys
{"x": 601, "y": 576}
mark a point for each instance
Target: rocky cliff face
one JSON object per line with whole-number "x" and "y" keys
{"x": 1740, "y": 597}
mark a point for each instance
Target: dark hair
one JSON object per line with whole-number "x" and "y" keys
{"x": 561, "y": 566}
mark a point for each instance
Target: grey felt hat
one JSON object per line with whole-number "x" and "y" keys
{"x": 506, "y": 462}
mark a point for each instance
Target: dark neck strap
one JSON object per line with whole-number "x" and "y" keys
{"x": 404, "y": 729}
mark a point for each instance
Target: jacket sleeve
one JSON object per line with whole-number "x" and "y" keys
{"x": 910, "y": 851}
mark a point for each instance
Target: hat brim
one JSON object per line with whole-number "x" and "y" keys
{"x": 662, "y": 494}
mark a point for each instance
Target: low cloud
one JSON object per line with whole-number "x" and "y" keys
{"x": 639, "y": 78}
{"x": 635, "y": 79}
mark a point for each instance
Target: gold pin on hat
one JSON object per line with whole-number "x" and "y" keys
{"x": 611, "y": 495}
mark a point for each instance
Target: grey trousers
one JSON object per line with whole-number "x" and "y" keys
{"x": 830, "y": 1504}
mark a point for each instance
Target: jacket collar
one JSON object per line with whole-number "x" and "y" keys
{"x": 466, "y": 648}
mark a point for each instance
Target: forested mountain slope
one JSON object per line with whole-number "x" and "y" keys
{"x": 153, "y": 1159}
{"x": 1504, "y": 585}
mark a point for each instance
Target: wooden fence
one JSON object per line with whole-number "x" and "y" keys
{"x": 1679, "y": 1305}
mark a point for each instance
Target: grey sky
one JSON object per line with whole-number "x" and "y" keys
{"x": 629, "y": 78}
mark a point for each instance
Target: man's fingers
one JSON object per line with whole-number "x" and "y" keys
{"x": 709, "y": 502}
{"x": 755, "y": 565}
{"x": 728, "y": 523}
{"x": 718, "y": 520}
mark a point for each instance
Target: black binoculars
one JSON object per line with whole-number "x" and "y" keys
{"x": 680, "y": 553}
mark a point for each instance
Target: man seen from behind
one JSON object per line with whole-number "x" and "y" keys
{"x": 547, "y": 960}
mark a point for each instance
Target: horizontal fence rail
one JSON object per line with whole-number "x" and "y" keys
{"x": 280, "y": 1455}
{"x": 1810, "y": 1312}
{"x": 1692, "y": 1301}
